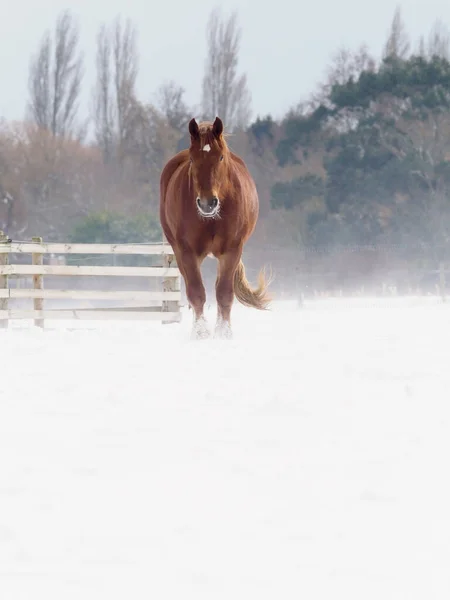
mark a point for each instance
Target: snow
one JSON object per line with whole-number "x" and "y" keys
{"x": 306, "y": 458}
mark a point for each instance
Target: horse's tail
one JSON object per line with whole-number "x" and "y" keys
{"x": 255, "y": 298}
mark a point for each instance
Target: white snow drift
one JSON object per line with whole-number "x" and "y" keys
{"x": 307, "y": 458}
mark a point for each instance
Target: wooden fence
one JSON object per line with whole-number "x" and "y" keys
{"x": 167, "y": 299}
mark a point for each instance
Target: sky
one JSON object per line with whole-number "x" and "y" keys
{"x": 284, "y": 52}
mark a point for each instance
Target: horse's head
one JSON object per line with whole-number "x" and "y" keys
{"x": 208, "y": 155}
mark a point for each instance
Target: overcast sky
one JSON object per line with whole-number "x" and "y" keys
{"x": 284, "y": 51}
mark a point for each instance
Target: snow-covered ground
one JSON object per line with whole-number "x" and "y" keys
{"x": 308, "y": 458}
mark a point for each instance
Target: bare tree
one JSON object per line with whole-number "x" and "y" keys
{"x": 421, "y": 47}
{"x": 103, "y": 99}
{"x": 345, "y": 64}
{"x": 241, "y": 99}
{"x": 55, "y": 77}
{"x": 39, "y": 84}
{"x": 439, "y": 40}
{"x": 225, "y": 93}
{"x": 125, "y": 73}
{"x": 172, "y": 105}
{"x": 114, "y": 93}
{"x": 397, "y": 44}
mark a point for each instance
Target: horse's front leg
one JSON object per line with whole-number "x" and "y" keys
{"x": 228, "y": 263}
{"x": 195, "y": 292}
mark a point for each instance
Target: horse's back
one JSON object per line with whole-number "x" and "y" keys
{"x": 243, "y": 174}
{"x": 246, "y": 189}
{"x": 238, "y": 160}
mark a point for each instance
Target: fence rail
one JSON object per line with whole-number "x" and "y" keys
{"x": 76, "y": 270}
{"x": 58, "y": 248}
{"x": 88, "y": 295}
{"x": 167, "y": 299}
{"x": 78, "y": 314}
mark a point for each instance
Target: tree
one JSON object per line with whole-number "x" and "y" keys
{"x": 104, "y": 113}
{"x": 439, "y": 41}
{"x": 150, "y": 142}
{"x": 55, "y": 78}
{"x": 397, "y": 44}
{"x": 112, "y": 227}
{"x": 108, "y": 227}
{"x": 172, "y": 105}
{"x": 125, "y": 74}
{"x": 225, "y": 93}
{"x": 115, "y": 94}
{"x": 388, "y": 176}
{"x": 134, "y": 137}
{"x": 11, "y": 203}
{"x": 296, "y": 192}
{"x": 345, "y": 64}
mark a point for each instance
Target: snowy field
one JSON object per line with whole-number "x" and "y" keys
{"x": 308, "y": 458}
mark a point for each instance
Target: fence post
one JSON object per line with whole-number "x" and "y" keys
{"x": 442, "y": 283}
{"x": 170, "y": 284}
{"x": 38, "y": 281}
{"x": 4, "y": 323}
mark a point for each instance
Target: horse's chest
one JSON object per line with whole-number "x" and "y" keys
{"x": 210, "y": 240}
{"x": 215, "y": 236}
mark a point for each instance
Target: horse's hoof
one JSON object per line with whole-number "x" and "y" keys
{"x": 200, "y": 330}
{"x": 223, "y": 331}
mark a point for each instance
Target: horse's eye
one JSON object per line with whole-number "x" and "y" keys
{"x": 221, "y": 158}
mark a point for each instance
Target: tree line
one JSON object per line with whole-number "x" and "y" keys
{"x": 57, "y": 165}
{"x": 365, "y": 159}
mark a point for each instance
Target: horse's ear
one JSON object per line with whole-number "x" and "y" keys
{"x": 193, "y": 129}
{"x": 217, "y": 127}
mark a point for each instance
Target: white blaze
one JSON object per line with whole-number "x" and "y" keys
{"x": 206, "y": 148}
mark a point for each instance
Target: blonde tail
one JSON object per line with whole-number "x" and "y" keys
{"x": 255, "y": 298}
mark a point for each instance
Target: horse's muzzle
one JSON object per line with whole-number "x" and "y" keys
{"x": 208, "y": 207}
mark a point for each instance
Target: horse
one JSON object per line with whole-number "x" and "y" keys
{"x": 209, "y": 207}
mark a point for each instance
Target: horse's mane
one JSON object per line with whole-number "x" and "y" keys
{"x": 207, "y": 136}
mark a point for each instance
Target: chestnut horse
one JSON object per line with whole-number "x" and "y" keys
{"x": 209, "y": 206}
